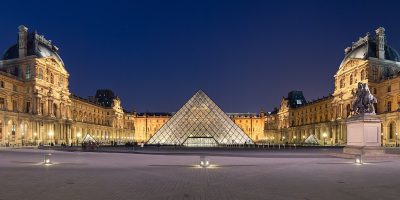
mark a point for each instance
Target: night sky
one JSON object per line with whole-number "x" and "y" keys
{"x": 244, "y": 54}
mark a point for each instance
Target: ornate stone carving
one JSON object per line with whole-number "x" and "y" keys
{"x": 363, "y": 102}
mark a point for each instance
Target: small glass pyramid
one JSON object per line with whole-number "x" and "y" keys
{"x": 200, "y": 122}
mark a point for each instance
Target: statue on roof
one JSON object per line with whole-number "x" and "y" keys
{"x": 364, "y": 101}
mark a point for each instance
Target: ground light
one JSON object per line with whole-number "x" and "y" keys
{"x": 47, "y": 159}
{"x": 204, "y": 161}
{"x": 358, "y": 159}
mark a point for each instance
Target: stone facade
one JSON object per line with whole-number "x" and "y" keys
{"x": 369, "y": 60}
{"x": 37, "y": 106}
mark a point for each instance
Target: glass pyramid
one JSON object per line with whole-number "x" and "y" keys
{"x": 200, "y": 122}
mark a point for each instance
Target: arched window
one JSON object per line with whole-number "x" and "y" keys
{"x": 28, "y": 72}
{"x": 392, "y": 130}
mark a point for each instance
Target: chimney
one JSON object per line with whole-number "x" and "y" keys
{"x": 22, "y": 41}
{"x": 380, "y": 42}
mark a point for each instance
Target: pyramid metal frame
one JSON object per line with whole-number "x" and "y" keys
{"x": 196, "y": 123}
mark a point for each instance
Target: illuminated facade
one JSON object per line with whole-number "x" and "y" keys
{"x": 37, "y": 106}
{"x": 369, "y": 60}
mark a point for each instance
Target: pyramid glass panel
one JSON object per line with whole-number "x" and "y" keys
{"x": 200, "y": 122}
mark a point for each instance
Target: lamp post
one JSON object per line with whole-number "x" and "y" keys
{"x": 397, "y": 137}
{"x": 382, "y": 139}
{"x": 324, "y": 135}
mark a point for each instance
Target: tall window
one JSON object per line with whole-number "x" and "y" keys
{"x": 392, "y": 130}
{"x": 389, "y": 106}
{"x": 362, "y": 76}
{"x": 351, "y": 79}
{"x": 51, "y": 78}
{"x": 375, "y": 73}
{"x": 389, "y": 88}
{"x": 15, "y": 106}
{"x": 28, "y": 107}
{"x": 341, "y": 83}
{"x": 40, "y": 74}
{"x": 13, "y": 128}
{"x": 1, "y": 84}
{"x": 2, "y": 104}
{"x": 28, "y": 72}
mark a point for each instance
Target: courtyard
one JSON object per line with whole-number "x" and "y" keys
{"x": 274, "y": 174}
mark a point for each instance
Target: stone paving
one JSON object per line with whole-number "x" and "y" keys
{"x": 275, "y": 175}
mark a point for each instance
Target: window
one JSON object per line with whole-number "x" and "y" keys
{"x": 1, "y": 84}
{"x": 42, "y": 108}
{"x": 351, "y": 79}
{"x": 2, "y": 104}
{"x": 362, "y": 75}
{"x": 13, "y": 128}
{"x": 375, "y": 73}
{"x": 51, "y": 78}
{"x": 28, "y": 107}
{"x": 40, "y": 74}
{"x": 389, "y": 88}
{"x": 28, "y": 73}
{"x": 15, "y": 106}
{"x": 389, "y": 106}
{"x": 341, "y": 83}
{"x": 392, "y": 130}
{"x": 14, "y": 88}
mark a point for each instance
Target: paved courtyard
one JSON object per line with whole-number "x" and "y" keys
{"x": 269, "y": 175}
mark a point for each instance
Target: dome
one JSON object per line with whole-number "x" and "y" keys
{"x": 35, "y": 47}
{"x": 366, "y": 48}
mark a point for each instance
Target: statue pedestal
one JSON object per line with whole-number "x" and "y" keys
{"x": 364, "y": 136}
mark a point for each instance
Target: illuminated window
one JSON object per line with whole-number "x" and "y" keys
{"x": 28, "y": 73}
{"x": 2, "y": 103}
{"x": 40, "y": 74}
{"x": 389, "y": 106}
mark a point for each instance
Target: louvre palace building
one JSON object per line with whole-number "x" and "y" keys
{"x": 38, "y": 108}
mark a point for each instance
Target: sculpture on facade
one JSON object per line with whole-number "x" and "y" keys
{"x": 364, "y": 101}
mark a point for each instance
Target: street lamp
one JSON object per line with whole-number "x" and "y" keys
{"x": 397, "y": 138}
{"x": 324, "y": 136}
{"x": 382, "y": 139}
